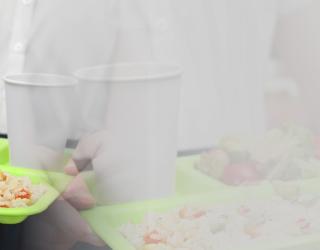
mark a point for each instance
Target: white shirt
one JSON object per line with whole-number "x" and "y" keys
{"x": 223, "y": 46}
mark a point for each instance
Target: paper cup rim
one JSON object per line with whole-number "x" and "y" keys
{"x": 174, "y": 70}
{"x": 9, "y": 79}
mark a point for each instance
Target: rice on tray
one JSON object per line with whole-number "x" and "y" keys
{"x": 227, "y": 227}
{"x": 18, "y": 191}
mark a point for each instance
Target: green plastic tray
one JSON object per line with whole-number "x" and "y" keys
{"x": 107, "y": 220}
{"x": 193, "y": 187}
{"x": 192, "y": 181}
{"x": 17, "y": 215}
{"x": 4, "y": 151}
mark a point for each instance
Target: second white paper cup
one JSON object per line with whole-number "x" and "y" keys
{"x": 139, "y": 116}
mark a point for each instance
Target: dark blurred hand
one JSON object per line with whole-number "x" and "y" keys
{"x": 59, "y": 228}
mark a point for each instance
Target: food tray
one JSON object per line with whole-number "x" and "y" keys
{"x": 106, "y": 220}
{"x": 4, "y": 151}
{"x": 193, "y": 187}
{"x": 17, "y": 215}
{"x": 192, "y": 181}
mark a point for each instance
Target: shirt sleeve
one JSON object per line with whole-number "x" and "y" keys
{"x": 288, "y": 6}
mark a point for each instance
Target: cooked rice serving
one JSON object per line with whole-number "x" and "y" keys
{"x": 18, "y": 191}
{"x": 233, "y": 226}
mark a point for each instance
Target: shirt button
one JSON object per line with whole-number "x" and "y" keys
{"x": 19, "y": 47}
{"x": 27, "y": 2}
{"x": 162, "y": 24}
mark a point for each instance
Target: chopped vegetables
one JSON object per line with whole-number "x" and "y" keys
{"x": 18, "y": 191}
{"x": 287, "y": 153}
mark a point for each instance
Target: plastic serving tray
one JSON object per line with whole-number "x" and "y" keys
{"x": 17, "y": 215}
{"x": 192, "y": 181}
{"x": 53, "y": 181}
{"x": 106, "y": 220}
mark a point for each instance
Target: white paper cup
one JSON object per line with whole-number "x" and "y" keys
{"x": 39, "y": 118}
{"x": 140, "y": 118}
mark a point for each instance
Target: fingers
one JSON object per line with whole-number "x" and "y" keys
{"x": 71, "y": 168}
{"x": 60, "y": 227}
{"x": 68, "y": 226}
{"x": 78, "y": 194}
{"x": 88, "y": 146}
{"x": 87, "y": 149}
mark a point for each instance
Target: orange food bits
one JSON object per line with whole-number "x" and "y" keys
{"x": 186, "y": 213}
{"x": 3, "y": 177}
{"x": 153, "y": 238}
{"x": 23, "y": 194}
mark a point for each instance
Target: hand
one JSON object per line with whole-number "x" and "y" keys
{"x": 58, "y": 228}
{"x": 87, "y": 150}
{"x": 61, "y": 225}
{"x": 78, "y": 195}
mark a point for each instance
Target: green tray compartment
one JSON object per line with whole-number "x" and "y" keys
{"x": 17, "y": 215}
{"x": 4, "y": 152}
{"x": 106, "y": 220}
{"x": 193, "y": 188}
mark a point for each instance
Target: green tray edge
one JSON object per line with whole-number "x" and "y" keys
{"x": 188, "y": 177}
{"x": 4, "y": 151}
{"x": 17, "y": 215}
